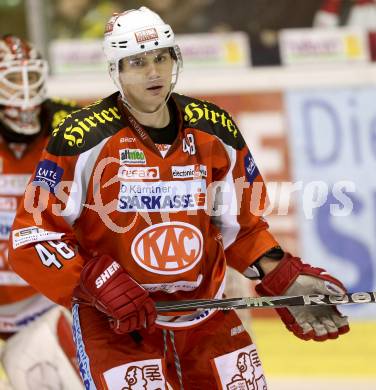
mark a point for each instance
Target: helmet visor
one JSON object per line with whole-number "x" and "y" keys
{"x": 147, "y": 78}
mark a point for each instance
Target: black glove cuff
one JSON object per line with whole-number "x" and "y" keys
{"x": 254, "y": 271}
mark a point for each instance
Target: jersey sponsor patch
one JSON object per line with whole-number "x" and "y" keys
{"x": 196, "y": 171}
{"x": 48, "y": 174}
{"x": 162, "y": 196}
{"x": 13, "y": 184}
{"x": 168, "y": 248}
{"x": 142, "y": 374}
{"x": 127, "y": 139}
{"x": 240, "y": 369}
{"x": 32, "y": 234}
{"x": 132, "y": 157}
{"x": 138, "y": 173}
{"x": 251, "y": 170}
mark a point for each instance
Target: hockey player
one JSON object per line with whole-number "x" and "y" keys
{"x": 26, "y": 120}
{"x": 147, "y": 196}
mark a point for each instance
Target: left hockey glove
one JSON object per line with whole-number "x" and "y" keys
{"x": 105, "y": 285}
{"x": 293, "y": 277}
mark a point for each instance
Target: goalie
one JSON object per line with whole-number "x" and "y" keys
{"x": 144, "y": 196}
{"x": 27, "y": 118}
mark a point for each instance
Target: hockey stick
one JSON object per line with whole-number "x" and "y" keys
{"x": 267, "y": 302}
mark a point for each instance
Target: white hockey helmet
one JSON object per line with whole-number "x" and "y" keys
{"x": 23, "y": 74}
{"x": 138, "y": 31}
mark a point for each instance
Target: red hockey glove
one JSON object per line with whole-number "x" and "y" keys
{"x": 292, "y": 277}
{"x": 105, "y": 285}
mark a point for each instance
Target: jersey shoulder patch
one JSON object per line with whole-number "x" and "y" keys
{"x": 82, "y": 129}
{"x": 208, "y": 117}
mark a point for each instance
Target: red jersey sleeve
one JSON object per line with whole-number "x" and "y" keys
{"x": 42, "y": 248}
{"x": 241, "y": 197}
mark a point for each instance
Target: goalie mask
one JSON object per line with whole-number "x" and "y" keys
{"x": 144, "y": 61}
{"x": 22, "y": 85}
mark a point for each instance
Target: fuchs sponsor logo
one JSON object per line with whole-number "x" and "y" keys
{"x": 146, "y": 35}
{"x": 13, "y": 184}
{"x": 48, "y": 174}
{"x": 251, "y": 170}
{"x": 168, "y": 248}
{"x": 240, "y": 369}
{"x": 195, "y": 171}
{"x": 132, "y": 156}
{"x": 162, "y": 196}
{"x": 138, "y": 173}
{"x": 137, "y": 375}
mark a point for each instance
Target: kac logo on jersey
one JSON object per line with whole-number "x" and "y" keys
{"x": 48, "y": 175}
{"x": 138, "y": 173}
{"x": 168, "y": 248}
{"x": 132, "y": 157}
{"x": 251, "y": 170}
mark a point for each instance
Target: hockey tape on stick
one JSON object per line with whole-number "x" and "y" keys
{"x": 267, "y": 302}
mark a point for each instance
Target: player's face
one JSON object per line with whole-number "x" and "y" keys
{"x": 146, "y": 79}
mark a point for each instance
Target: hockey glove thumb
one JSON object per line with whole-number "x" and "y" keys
{"x": 105, "y": 285}
{"x": 293, "y": 277}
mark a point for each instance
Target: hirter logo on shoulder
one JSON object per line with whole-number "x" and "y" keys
{"x": 132, "y": 156}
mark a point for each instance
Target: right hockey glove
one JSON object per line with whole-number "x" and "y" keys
{"x": 293, "y": 277}
{"x": 105, "y": 285}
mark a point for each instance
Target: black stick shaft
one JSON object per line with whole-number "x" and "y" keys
{"x": 267, "y": 302}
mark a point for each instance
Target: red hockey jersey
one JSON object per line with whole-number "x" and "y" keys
{"x": 174, "y": 222}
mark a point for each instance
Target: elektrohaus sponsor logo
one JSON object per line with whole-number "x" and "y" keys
{"x": 132, "y": 156}
{"x": 195, "y": 171}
